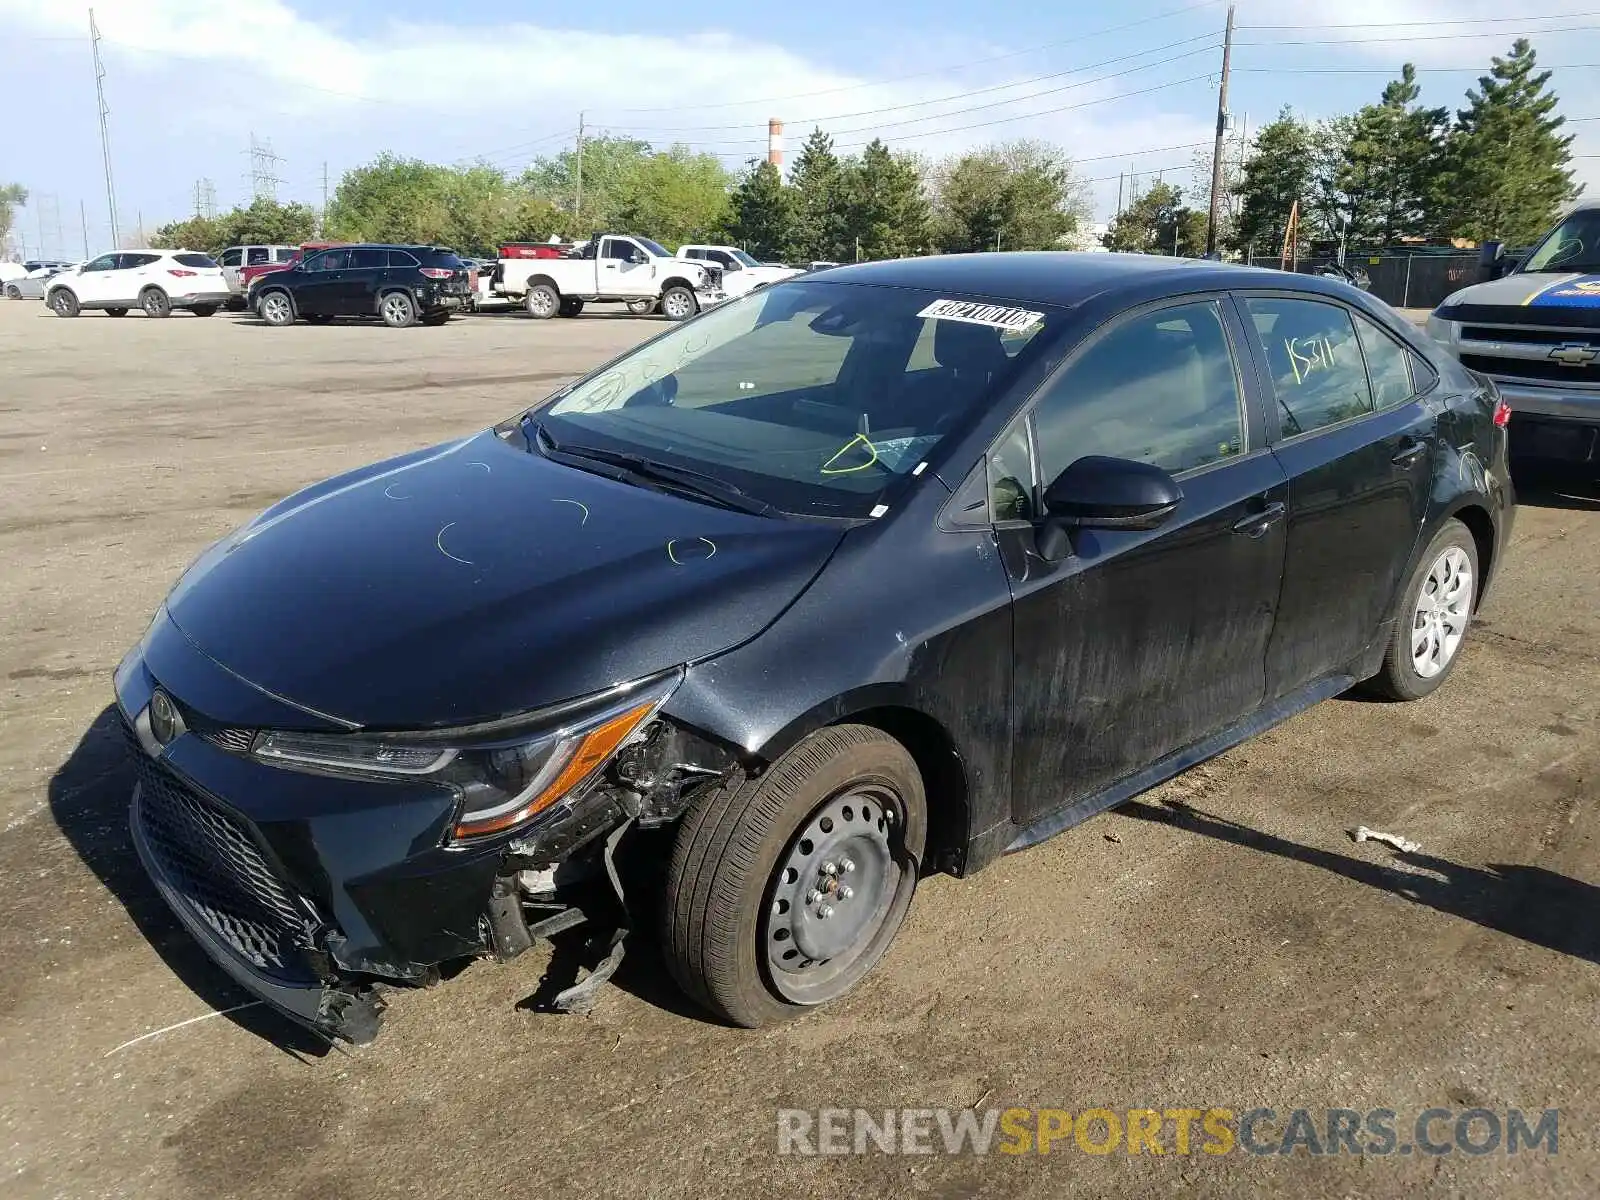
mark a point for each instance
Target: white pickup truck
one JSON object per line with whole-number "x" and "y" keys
{"x": 612, "y": 266}
{"x": 741, "y": 272}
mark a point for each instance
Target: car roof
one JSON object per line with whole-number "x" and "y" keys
{"x": 1066, "y": 278}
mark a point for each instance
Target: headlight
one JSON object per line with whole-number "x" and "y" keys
{"x": 503, "y": 779}
{"x": 1443, "y": 332}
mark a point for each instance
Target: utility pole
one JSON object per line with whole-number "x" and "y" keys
{"x": 83, "y": 217}
{"x": 1119, "y": 193}
{"x": 1222, "y": 128}
{"x": 141, "y": 228}
{"x": 324, "y": 190}
{"x": 105, "y": 136}
{"x": 577, "y": 175}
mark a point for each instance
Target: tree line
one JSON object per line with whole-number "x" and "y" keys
{"x": 875, "y": 204}
{"x": 1395, "y": 170}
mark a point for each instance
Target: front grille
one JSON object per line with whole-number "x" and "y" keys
{"x": 213, "y": 860}
{"x": 225, "y": 737}
{"x": 1542, "y": 370}
{"x": 1522, "y": 335}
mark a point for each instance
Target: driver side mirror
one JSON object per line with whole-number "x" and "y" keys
{"x": 1097, "y": 492}
{"x": 636, "y": 257}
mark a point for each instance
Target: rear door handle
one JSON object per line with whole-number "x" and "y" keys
{"x": 1257, "y": 523}
{"x": 1410, "y": 453}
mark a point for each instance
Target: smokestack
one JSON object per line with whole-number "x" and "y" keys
{"x": 775, "y": 143}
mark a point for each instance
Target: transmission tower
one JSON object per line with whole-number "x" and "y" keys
{"x": 105, "y": 136}
{"x": 264, "y": 179}
{"x": 205, "y": 198}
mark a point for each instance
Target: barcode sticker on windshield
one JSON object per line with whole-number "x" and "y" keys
{"x": 998, "y": 316}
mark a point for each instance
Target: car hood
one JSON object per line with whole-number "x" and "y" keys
{"x": 1527, "y": 296}
{"x": 477, "y": 580}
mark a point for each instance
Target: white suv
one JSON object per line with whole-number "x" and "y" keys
{"x": 156, "y": 281}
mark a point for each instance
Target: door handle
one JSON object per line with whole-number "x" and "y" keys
{"x": 1410, "y": 453}
{"x": 1257, "y": 523}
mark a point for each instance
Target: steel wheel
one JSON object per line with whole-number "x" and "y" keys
{"x": 275, "y": 309}
{"x": 833, "y": 895}
{"x": 397, "y": 310}
{"x": 1443, "y": 609}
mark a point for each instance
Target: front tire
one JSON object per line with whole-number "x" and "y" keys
{"x": 63, "y": 303}
{"x": 154, "y": 302}
{"x": 13, "y": 292}
{"x": 571, "y": 306}
{"x": 204, "y": 310}
{"x": 784, "y": 891}
{"x": 543, "y": 302}
{"x": 1431, "y": 622}
{"x": 640, "y": 308}
{"x": 116, "y": 312}
{"x": 276, "y": 309}
{"x": 678, "y": 304}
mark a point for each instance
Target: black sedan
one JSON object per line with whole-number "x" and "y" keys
{"x": 862, "y": 576}
{"x": 400, "y": 285}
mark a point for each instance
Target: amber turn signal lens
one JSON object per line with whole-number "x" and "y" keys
{"x": 586, "y": 756}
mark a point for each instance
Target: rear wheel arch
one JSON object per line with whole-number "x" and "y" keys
{"x": 1481, "y": 525}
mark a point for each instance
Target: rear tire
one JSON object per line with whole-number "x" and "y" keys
{"x": 398, "y": 310}
{"x": 1430, "y": 626}
{"x": 154, "y": 302}
{"x": 64, "y": 304}
{"x": 276, "y": 309}
{"x": 678, "y": 304}
{"x": 436, "y": 318}
{"x": 204, "y": 310}
{"x": 319, "y": 319}
{"x": 759, "y": 923}
{"x": 571, "y": 306}
{"x": 116, "y": 312}
{"x": 543, "y": 302}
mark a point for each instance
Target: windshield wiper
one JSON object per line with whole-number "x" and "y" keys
{"x": 636, "y": 467}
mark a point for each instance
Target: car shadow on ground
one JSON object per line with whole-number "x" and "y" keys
{"x": 89, "y": 800}
{"x": 1531, "y": 903}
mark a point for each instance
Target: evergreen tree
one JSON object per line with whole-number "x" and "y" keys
{"x": 886, "y": 214}
{"x": 1392, "y": 166}
{"x": 1157, "y": 222}
{"x": 1509, "y": 159}
{"x": 762, "y": 219}
{"x": 1323, "y": 212}
{"x": 817, "y": 181}
{"x": 1277, "y": 173}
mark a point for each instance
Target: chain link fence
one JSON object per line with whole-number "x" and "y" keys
{"x": 1403, "y": 280}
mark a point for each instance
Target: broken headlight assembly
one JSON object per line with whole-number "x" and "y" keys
{"x": 505, "y": 773}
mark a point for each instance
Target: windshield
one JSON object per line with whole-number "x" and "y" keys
{"x": 814, "y": 398}
{"x": 746, "y": 259}
{"x": 655, "y": 248}
{"x": 1573, "y": 245}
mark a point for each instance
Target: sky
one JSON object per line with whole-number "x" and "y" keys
{"x": 1126, "y": 88}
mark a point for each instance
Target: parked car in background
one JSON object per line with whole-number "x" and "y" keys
{"x": 154, "y": 281}
{"x": 741, "y": 272}
{"x": 848, "y": 581}
{"x": 249, "y": 275}
{"x": 612, "y": 266}
{"x": 400, "y": 285}
{"x": 32, "y": 285}
{"x": 235, "y": 259}
{"x": 1536, "y": 333}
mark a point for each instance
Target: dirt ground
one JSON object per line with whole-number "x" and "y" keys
{"x": 1246, "y": 955}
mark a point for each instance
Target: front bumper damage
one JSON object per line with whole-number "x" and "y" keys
{"x": 317, "y": 893}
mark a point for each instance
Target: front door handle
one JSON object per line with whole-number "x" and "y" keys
{"x": 1410, "y": 453}
{"x": 1257, "y": 523}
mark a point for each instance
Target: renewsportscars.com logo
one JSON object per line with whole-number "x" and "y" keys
{"x": 1159, "y": 1131}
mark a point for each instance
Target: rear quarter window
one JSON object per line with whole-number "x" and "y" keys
{"x": 447, "y": 259}
{"x": 201, "y": 261}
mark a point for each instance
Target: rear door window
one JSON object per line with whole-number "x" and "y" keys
{"x": 284, "y": 254}
{"x": 1318, "y": 376}
{"x": 402, "y": 258}
{"x": 127, "y": 262}
{"x": 368, "y": 258}
{"x": 255, "y": 256}
{"x": 1388, "y": 365}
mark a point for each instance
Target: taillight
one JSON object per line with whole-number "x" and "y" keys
{"x": 180, "y": 273}
{"x": 438, "y": 272}
{"x": 1502, "y": 413}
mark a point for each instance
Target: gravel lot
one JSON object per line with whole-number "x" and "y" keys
{"x": 1250, "y": 955}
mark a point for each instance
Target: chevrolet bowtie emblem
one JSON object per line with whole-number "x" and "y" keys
{"x": 1575, "y": 354}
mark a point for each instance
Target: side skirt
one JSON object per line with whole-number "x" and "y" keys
{"x": 1164, "y": 769}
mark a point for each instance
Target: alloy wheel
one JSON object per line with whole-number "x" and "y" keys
{"x": 396, "y": 310}
{"x": 677, "y": 305}
{"x": 275, "y": 309}
{"x": 1443, "y": 608}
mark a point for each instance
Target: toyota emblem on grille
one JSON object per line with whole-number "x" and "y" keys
{"x": 166, "y": 722}
{"x": 1575, "y": 354}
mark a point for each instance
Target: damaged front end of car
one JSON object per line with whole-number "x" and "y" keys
{"x": 319, "y": 867}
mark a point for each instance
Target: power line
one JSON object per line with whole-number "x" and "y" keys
{"x": 1441, "y": 37}
{"x": 1432, "y": 24}
{"x": 1477, "y": 70}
